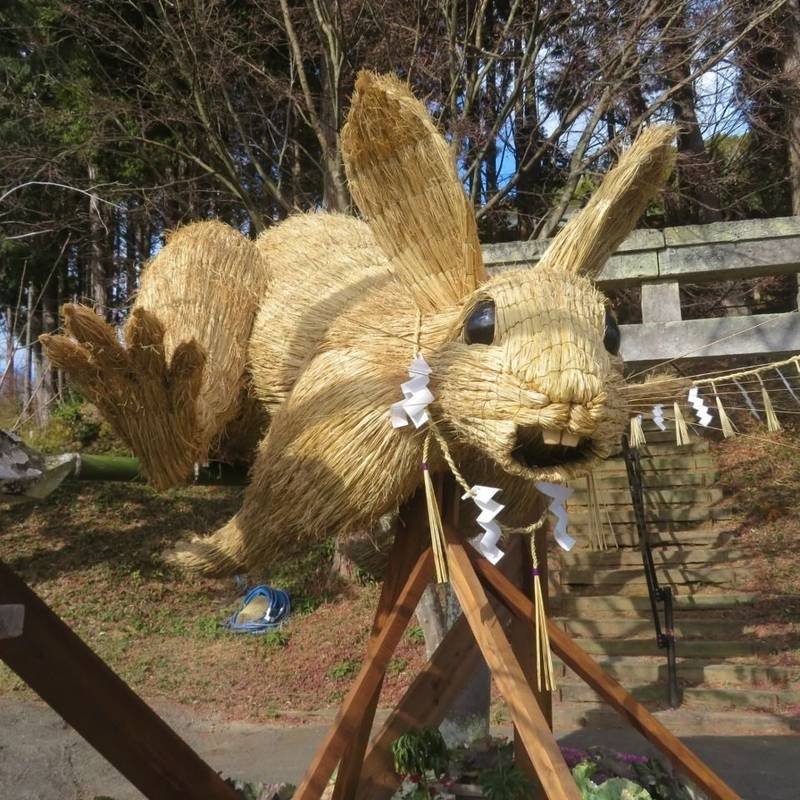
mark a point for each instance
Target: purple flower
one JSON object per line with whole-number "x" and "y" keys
{"x": 572, "y": 755}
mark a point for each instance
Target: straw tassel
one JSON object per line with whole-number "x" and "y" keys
{"x": 728, "y": 429}
{"x": 434, "y": 519}
{"x": 681, "y": 431}
{"x": 544, "y": 658}
{"x": 636, "y": 437}
{"x": 773, "y": 423}
{"x": 596, "y": 532}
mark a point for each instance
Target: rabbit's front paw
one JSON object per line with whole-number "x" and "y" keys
{"x": 150, "y": 404}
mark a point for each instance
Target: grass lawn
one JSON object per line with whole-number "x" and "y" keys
{"x": 92, "y": 552}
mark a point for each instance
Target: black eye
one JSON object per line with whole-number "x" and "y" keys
{"x": 612, "y": 336}
{"x": 479, "y": 327}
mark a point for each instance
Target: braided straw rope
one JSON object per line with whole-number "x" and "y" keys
{"x": 448, "y": 457}
{"x": 747, "y": 373}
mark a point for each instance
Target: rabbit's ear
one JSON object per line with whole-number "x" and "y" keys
{"x": 403, "y": 178}
{"x": 589, "y": 238}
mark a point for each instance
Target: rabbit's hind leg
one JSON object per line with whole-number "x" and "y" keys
{"x": 178, "y": 388}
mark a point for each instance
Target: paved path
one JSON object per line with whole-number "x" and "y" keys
{"x": 42, "y": 758}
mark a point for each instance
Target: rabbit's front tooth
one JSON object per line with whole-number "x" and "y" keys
{"x": 569, "y": 439}
{"x": 551, "y": 437}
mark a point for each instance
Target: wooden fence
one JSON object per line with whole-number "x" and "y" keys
{"x": 659, "y": 261}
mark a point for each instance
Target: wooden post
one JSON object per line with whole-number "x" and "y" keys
{"x": 428, "y": 699}
{"x": 409, "y": 542}
{"x": 617, "y": 697}
{"x": 346, "y": 724}
{"x": 521, "y": 635}
{"x": 543, "y": 750}
{"x": 424, "y": 705}
{"x": 102, "y": 708}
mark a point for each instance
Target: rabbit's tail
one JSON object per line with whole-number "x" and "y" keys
{"x": 220, "y": 554}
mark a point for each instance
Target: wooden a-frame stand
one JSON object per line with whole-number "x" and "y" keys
{"x": 491, "y": 604}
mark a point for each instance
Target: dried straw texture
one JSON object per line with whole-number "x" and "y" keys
{"x": 547, "y": 370}
{"x": 149, "y": 404}
{"x": 335, "y": 357}
{"x": 656, "y": 389}
{"x": 330, "y": 347}
{"x": 402, "y": 176}
{"x": 180, "y": 379}
{"x": 206, "y": 285}
{"x": 589, "y": 238}
{"x": 347, "y": 305}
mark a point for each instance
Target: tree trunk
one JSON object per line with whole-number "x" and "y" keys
{"x": 28, "y": 390}
{"x": 97, "y": 270}
{"x": 335, "y": 195}
{"x": 526, "y": 135}
{"x": 698, "y": 198}
{"x": 468, "y": 718}
{"x": 47, "y": 389}
{"x": 9, "y": 386}
{"x": 792, "y": 82}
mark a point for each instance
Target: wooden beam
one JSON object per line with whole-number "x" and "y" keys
{"x": 427, "y": 701}
{"x": 759, "y": 334}
{"x": 553, "y": 774}
{"x": 424, "y": 705}
{"x": 82, "y": 688}
{"x": 694, "y": 253}
{"x": 346, "y": 724}
{"x": 521, "y": 634}
{"x": 409, "y": 541}
{"x": 614, "y": 694}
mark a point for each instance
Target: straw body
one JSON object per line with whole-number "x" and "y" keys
{"x": 303, "y": 339}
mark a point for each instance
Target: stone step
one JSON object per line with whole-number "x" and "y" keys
{"x": 691, "y": 696}
{"x": 600, "y": 717}
{"x": 591, "y": 607}
{"x": 668, "y": 446}
{"x": 653, "y": 498}
{"x": 639, "y": 671}
{"x": 696, "y": 649}
{"x": 740, "y": 698}
{"x": 665, "y": 480}
{"x": 657, "y": 463}
{"x": 575, "y": 577}
{"x": 684, "y": 513}
{"x": 642, "y": 628}
{"x": 662, "y": 556}
{"x": 660, "y": 534}
{"x": 580, "y": 692}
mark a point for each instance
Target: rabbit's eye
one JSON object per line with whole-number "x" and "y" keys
{"x": 479, "y": 327}
{"x": 612, "y": 337}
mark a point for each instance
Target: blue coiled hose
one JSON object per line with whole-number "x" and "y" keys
{"x": 278, "y": 608}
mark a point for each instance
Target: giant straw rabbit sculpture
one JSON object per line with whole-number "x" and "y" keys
{"x": 303, "y": 337}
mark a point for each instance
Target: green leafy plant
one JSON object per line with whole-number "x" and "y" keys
{"x": 415, "y": 634}
{"x": 274, "y": 640}
{"x": 505, "y": 782}
{"x": 342, "y": 670}
{"x": 612, "y": 789}
{"x": 421, "y": 755}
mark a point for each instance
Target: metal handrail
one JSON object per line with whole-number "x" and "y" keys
{"x": 665, "y": 635}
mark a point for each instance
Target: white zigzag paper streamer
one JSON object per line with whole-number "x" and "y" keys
{"x": 490, "y": 508}
{"x": 559, "y": 495}
{"x": 657, "y": 415}
{"x": 700, "y": 408}
{"x": 416, "y": 396}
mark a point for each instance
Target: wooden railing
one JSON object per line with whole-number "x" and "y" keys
{"x": 659, "y": 261}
